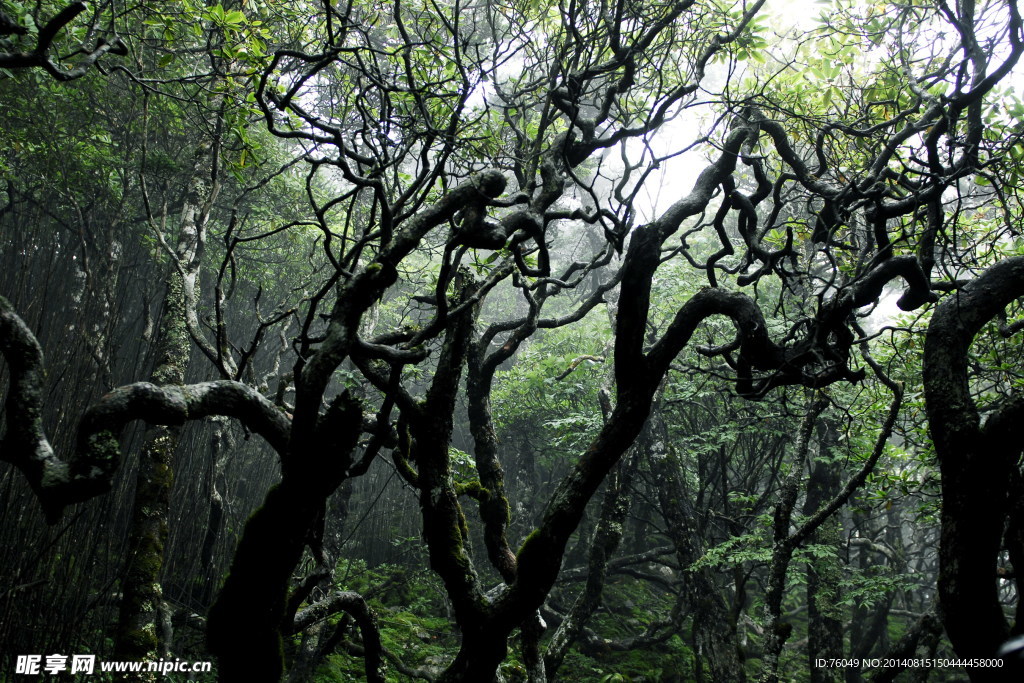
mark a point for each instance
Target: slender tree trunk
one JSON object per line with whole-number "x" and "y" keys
{"x": 926, "y": 632}
{"x": 860, "y": 615}
{"x": 605, "y": 541}
{"x": 778, "y": 631}
{"x": 825, "y": 615}
{"x": 221, "y": 444}
{"x": 136, "y": 637}
{"x": 714, "y": 632}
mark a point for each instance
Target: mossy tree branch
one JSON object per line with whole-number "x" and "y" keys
{"x": 90, "y": 470}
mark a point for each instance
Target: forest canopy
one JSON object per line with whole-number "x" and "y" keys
{"x": 515, "y": 341}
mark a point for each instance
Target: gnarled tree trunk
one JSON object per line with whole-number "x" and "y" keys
{"x": 976, "y": 462}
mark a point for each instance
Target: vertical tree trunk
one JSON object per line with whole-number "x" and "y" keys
{"x": 825, "y": 615}
{"x": 136, "y": 637}
{"x": 246, "y": 625}
{"x": 714, "y": 632}
{"x": 221, "y": 443}
{"x": 603, "y": 545}
{"x": 976, "y": 462}
{"x": 778, "y": 631}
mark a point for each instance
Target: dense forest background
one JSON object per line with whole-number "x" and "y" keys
{"x": 518, "y": 341}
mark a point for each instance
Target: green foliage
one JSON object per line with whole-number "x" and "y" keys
{"x": 529, "y": 396}
{"x": 737, "y": 550}
{"x": 875, "y": 585}
{"x": 407, "y": 604}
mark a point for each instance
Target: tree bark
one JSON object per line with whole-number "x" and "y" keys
{"x": 783, "y": 546}
{"x": 246, "y": 625}
{"x": 603, "y": 545}
{"x": 713, "y": 629}
{"x": 136, "y": 637}
{"x": 975, "y": 461}
{"x": 825, "y": 615}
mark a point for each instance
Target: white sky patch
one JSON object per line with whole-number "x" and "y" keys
{"x": 478, "y": 97}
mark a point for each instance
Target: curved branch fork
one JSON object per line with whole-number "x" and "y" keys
{"x": 59, "y": 483}
{"x": 40, "y": 55}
